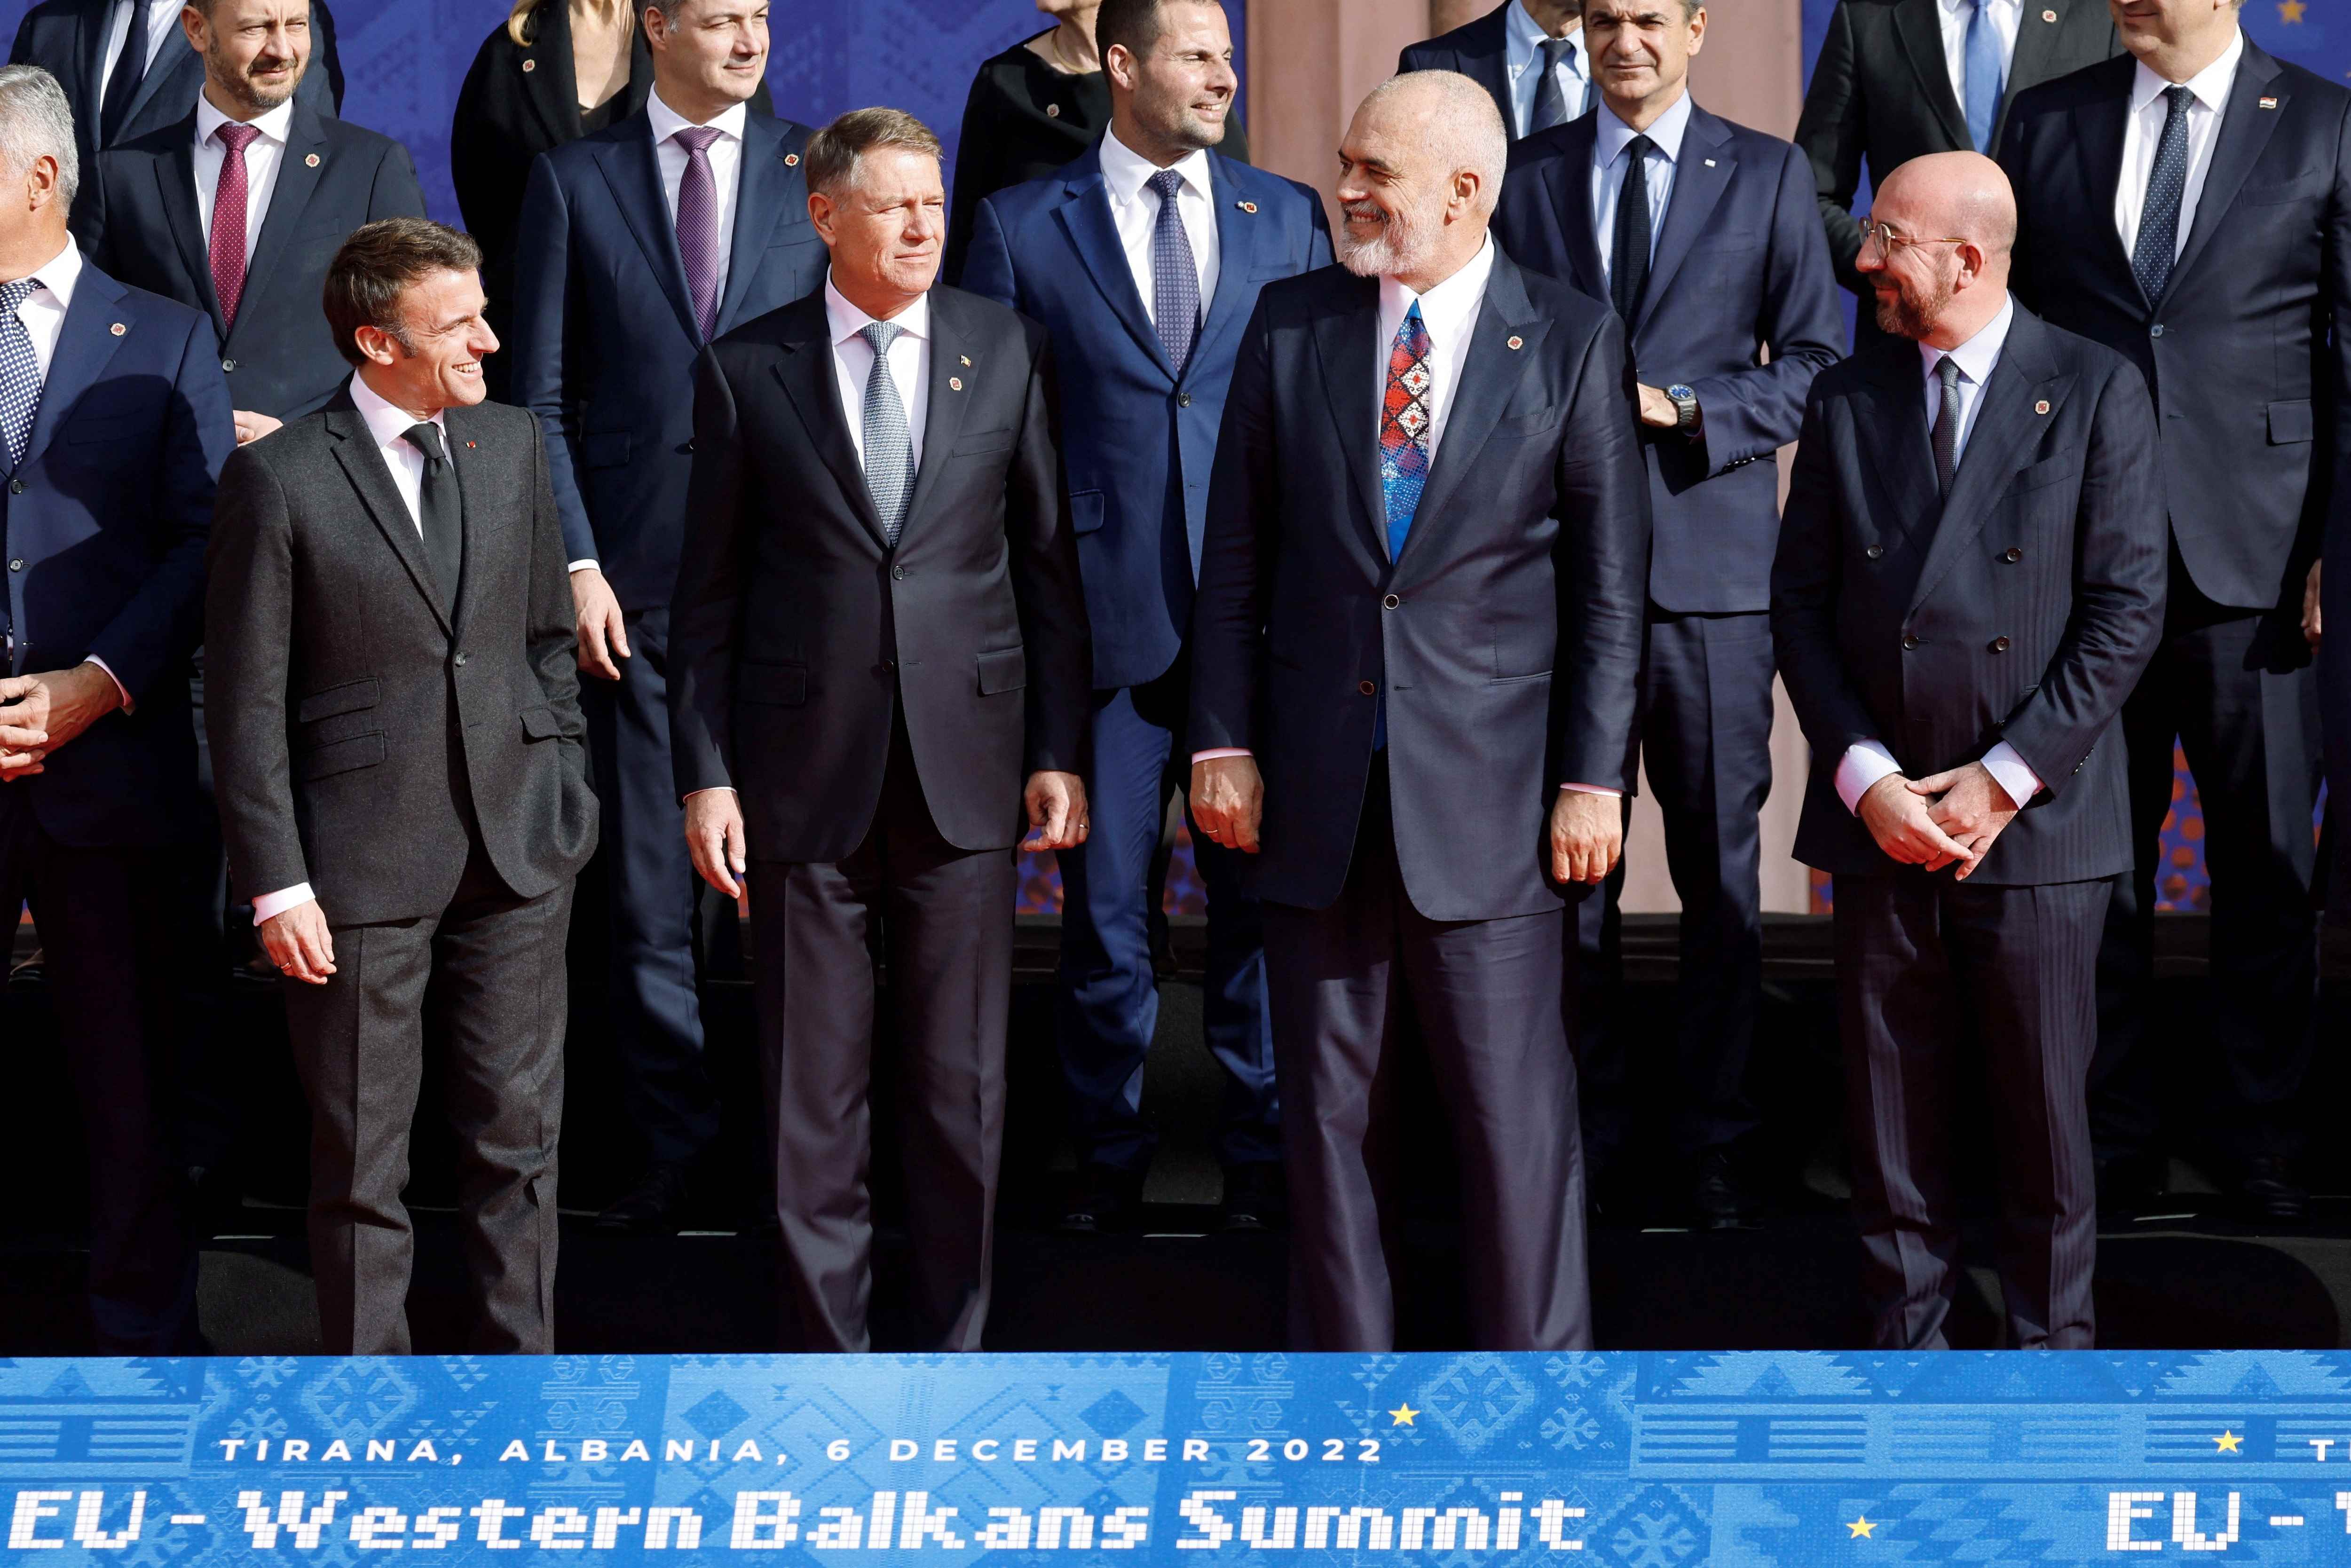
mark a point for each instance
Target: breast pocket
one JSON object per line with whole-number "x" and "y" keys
{"x": 982, "y": 444}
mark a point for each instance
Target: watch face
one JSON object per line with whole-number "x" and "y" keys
{"x": 1679, "y": 393}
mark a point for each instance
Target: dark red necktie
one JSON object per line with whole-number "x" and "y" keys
{"x": 228, "y": 220}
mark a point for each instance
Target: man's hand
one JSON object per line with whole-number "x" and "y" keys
{"x": 1588, "y": 835}
{"x": 299, "y": 944}
{"x": 596, "y": 621}
{"x": 1229, "y": 801}
{"x": 714, "y": 837}
{"x": 1657, "y": 409}
{"x": 1057, "y": 811}
{"x": 1971, "y": 809}
{"x": 252, "y": 426}
{"x": 1905, "y": 827}
{"x": 2310, "y": 627}
{"x": 57, "y": 705}
{"x": 24, "y": 726}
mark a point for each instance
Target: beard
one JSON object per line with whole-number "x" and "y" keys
{"x": 1912, "y": 312}
{"x": 251, "y": 92}
{"x": 1403, "y": 247}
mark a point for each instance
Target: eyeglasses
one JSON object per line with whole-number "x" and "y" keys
{"x": 1883, "y": 237}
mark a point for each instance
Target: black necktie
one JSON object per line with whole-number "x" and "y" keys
{"x": 1946, "y": 422}
{"x": 1628, "y": 267}
{"x": 129, "y": 70}
{"x": 440, "y": 514}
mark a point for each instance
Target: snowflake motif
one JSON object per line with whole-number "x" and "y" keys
{"x": 262, "y": 1422}
{"x": 267, "y": 1371}
{"x": 1653, "y": 1541}
{"x": 1576, "y": 1370}
{"x": 1566, "y": 1429}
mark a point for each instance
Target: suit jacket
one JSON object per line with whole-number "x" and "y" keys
{"x": 2020, "y": 608}
{"x": 279, "y": 355}
{"x": 68, "y": 39}
{"x": 1739, "y": 265}
{"x": 1507, "y": 636}
{"x": 797, "y": 630}
{"x": 605, "y": 338}
{"x": 105, "y": 520}
{"x": 363, "y": 738}
{"x": 2245, "y": 352}
{"x": 1139, "y": 440}
{"x": 1478, "y": 49}
{"x": 1882, "y": 91}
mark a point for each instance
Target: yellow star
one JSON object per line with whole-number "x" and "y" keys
{"x": 2229, "y": 1442}
{"x": 1403, "y": 1413}
{"x": 1862, "y": 1527}
{"x": 2291, "y": 11}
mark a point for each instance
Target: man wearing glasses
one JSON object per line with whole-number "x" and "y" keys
{"x": 1970, "y": 578}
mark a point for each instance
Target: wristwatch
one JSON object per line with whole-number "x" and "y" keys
{"x": 1685, "y": 403}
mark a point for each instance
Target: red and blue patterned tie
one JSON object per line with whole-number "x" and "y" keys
{"x": 1404, "y": 427}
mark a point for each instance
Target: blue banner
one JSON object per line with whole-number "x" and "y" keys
{"x": 1642, "y": 1461}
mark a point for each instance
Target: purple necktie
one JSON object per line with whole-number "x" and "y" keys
{"x": 229, "y": 198}
{"x": 697, "y": 225}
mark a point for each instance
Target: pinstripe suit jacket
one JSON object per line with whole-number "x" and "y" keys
{"x": 2021, "y": 607}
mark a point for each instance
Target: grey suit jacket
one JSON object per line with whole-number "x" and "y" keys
{"x": 358, "y": 731}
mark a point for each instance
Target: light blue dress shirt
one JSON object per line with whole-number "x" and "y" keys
{"x": 1608, "y": 166}
{"x": 1525, "y": 58}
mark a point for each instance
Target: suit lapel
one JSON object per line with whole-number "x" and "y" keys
{"x": 1903, "y": 452}
{"x": 1236, "y": 262}
{"x": 175, "y": 187}
{"x": 769, "y": 191}
{"x": 1920, "y": 26}
{"x": 1086, "y": 218}
{"x": 1569, "y": 179}
{"x": 2098, "y": 143}
{"x": 2004, "y": 424}
{"x": 633, "y": 175}
{"x": 91, "y": 27}
{"x": 1486, "y": 62}
{"x": 549, "y": 86}
{"x": 86, "y": 342}
{"x": 944, "y": 403}
{"x": 1698, "y": 184}
{"x": 174, "y": 76}
{"x": 806, "y": 372}
{"x": 1345, "y": 343}
{"x": 364, "y": 464}
{"x": 2245, "y": 129}
{"x": 1490, "y": 376}
{"x": 298, "y": 172}
{"x": 484, "y": 495}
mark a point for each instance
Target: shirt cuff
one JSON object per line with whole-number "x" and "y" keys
{"x": 583, "y": 565}
{"x": 269, "y": 905}
{"x": 1593, "y": 789}
{"x": 1215, "y": 751}
{"x": 2012, "y": 773}
{"x": 713, "y": 790}
{"x": 1864, "y": 764}
{"x": 127, "y": 704}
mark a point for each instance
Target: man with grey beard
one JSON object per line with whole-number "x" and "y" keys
{"x": 1415, "y": 645}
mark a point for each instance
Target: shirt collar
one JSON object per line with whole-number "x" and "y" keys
{"x": 1665, "y": 131}
{"x": 1979, "y": 353}
{"x": 668, "y": 123}
{"x": 275, "y": 126}
{"x": 1527, "y": 37}
{"x": 1447, "y": 309}
{"x": 1125, "y": 171}
{"x": 385, "y": 422}
{"x": 58, "y": 275}
{"x": 2209, "y": 84}
{"x": 847, "y": 321}
{"x": 1964, "y": 8}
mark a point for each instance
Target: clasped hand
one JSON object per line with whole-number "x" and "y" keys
{"x": 41, "y": 713}
{"x": 1946, "y": 819}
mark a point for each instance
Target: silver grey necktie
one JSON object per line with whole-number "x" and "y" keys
{"x": 889, "y": 448}
{"x": 1948, "y": 414}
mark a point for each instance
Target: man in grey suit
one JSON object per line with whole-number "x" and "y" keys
{"x": 403, "y": 781}
{"x": 1970, "y": 578}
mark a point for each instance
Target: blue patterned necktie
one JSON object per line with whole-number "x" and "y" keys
{"x": 1175, "y": 274}
{"x": 1550, "y": 98}
{"x": 2158, "y": 244}
{"x": 889, "y": 448}
{"x": 20, "y": 371}
{"x": 1984, "y": 72}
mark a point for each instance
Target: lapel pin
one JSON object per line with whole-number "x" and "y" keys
{"x": 1052, "y": 112}
{"x": 955, "y": 383}
{"x": 791, "y": 160}
{"x": 528, "y": 66}
{"x": 1517, "y": 343}
{"x": 118, "y": 329}
{"x": 2048, "y": 15}
{"x": 2040, "y": 407}
{"x": 469, "y": 447}
{"x": 312, "y": 161}
{"x": 2269, "y": 103}
{"x": 1710, "y": 162}
{"x": 966, "y": 360}
{"x": 1248, "y": 207}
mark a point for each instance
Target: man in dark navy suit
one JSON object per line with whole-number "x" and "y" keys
{"x": 1718, "y": 261}
{"x": 1414, "y": 655}
{"x": 637, "y": 245}
{"x": 1970, "y": 578}
{"x": 114, "y": 423}
{"x": 1143, "y": 259}
{"x": 1529, "y": 54}
{"x": 2190, "y": 206}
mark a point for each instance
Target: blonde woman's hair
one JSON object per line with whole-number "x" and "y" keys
{"x": 520, "y": 21}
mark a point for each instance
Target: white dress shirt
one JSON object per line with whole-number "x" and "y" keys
{"x": 162, "y": 24}
{"x": 263, "y": 157}
{"x": 725, "y": 167}
{"x": 852, "y": 364}
{"x": 1956, "y": 16}
{"x": 1135, "y": 208}
{"x": 1610, "y": 162}
{"x": 388, "y": 427}
{"x": 2143, "y": 134}
{"x": 1867, "y": 761}
{"x": 1524, "y": 59}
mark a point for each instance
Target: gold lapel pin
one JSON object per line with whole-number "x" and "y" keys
{"x": 312, "y": 161}
{"x": 791, "y": 160}
{"x": 966, "y": 360}
{"x": 1518, "y": 342}
{"x": 2269, "y": 103}
{"x": 955, "y": 383}
{"x": 1248, "y": 207}
{"x": 118, "y": 329}
{"x": 528, "y": 66}
{"x": 2040, "y": 407}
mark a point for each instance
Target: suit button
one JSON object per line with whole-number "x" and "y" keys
{"x": 1390, "y": 602}
{"x": 689, "y": 449}
{"x": 228, "y": 364}
{"x": 15, "y": 486}
{"x": 1909, "y": 640}
{"x": 461, "y": 661}
{"x": 16, "y": 565}
{"x": 889, "y": 667}
{"x": 1874, "y": 552}
{"x": 1366, "y": 687}
{"x": 1183, "y": 400}
{"x": 1999, "y": 644}
{"x": 897, "y": 571}
{"x": 2011, "y": 555}
{"x": 2155, "y": 331}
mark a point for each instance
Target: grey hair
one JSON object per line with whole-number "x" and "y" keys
{"x": 36, "y": 122}
{"x": 1458, "y": 123}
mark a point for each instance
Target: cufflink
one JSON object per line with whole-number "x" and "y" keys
{"x": 955, "y": 383}
{"x": 1248, "y": 207}
{"x": 118, "y": 329}
{"x": 311, "y": 162}
{"x": 2040, "y": 407}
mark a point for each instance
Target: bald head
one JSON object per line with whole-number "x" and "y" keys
{"x": 1420, "y": 171}
{"x": 1940, "y": 264}
{"x": 1965, "y": 194}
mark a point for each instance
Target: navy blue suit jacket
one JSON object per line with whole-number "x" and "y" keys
{"x": 604, "y": 333}
{"x": 1478, "y": 49}
{"x": 138, "y": 217}
{"x": 1739, "y": 265}
{"x": 1139, "y": 441}
{"x": 2021, "y": 607}
{"x": 109, "y": 512}
{"x": 1506, "y": 636}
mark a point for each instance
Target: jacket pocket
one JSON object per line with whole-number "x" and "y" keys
{"x": 777, "y": 685}
{"x": 349, "y": 697}
{"x": 1005, "y": 670}
{"x": 2290, "y": 422}
{"x": 982, "y": 444}
{"x": 1085, "y": 511}
{"x": 604, "y": 449}
{"x": 343, "y": 756}
{"x": 2050, "y": 471}
{"x": 540, "y": 724}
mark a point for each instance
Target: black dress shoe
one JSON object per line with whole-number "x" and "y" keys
{"x": 1100, "y": 1198}
{"x": 1717, "y": 1199}
{"x": 651, "y": 1208}
{"x": 1256, "y": 1198}
{"x": 2266, "y": 1190}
